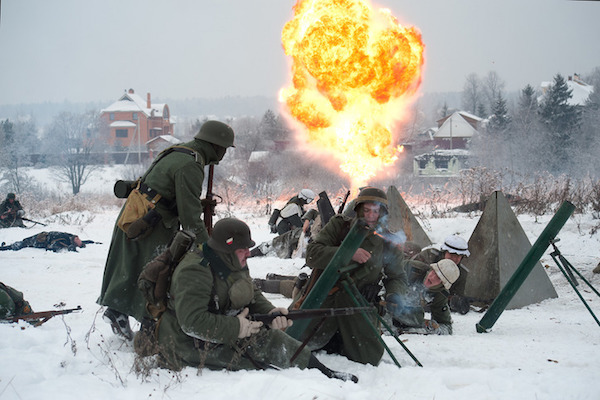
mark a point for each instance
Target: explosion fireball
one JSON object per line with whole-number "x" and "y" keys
{"x": 353, "y": 71}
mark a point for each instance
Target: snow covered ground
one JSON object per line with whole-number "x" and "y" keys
{"x": 544, "y": 351}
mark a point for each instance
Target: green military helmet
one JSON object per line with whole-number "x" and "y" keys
{"x": 216, "y": 132}
{"x": 11, "y": 196}
{"x": 229, "y": 235}
{"x": 371, "y": 195}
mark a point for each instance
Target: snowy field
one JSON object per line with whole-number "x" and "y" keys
{"x": 544, "y": 351}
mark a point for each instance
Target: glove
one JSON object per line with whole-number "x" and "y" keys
{"x": 20, "y": 213}
{"x": 247, "y": 327}
{"x": 280, "y": 322}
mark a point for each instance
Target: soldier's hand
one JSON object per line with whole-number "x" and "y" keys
{"x": 361, "y": 256}
{"x": 208, "y": 203}
{"x": 280, "y": 322}
{"x": 431, "y": 325}
{"x": 247, "y": 327}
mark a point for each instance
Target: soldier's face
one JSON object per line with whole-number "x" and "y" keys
{"x": 457, "y": 258}
{"x": 431, "y": 279}
{"x": 371, "y": 213}
{"x": 242, "y": 255}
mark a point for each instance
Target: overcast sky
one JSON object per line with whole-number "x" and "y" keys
{"x": 92, "y": 50}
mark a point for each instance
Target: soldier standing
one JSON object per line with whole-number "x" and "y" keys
{"x": 177, "y": 177}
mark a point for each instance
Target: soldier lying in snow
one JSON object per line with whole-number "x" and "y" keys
{"x": 55, "y": 241}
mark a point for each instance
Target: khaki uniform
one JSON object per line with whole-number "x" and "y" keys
{"x": 200, "y": 327}
{"x": 350, "y": 335}
{"x": 178, "y": 178}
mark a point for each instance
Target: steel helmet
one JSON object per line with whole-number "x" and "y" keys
{"x": 11, "y": 196}
{"x": 229, "y": 235}
{"x": 216, "y": 132}
{"x": 371, "y": 195}
{"x": 447, "y": 271}
{"x": 306, "y": 195}
{"x": 457, "y": 245}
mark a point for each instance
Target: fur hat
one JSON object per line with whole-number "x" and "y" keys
{"x": 447, "y": 271}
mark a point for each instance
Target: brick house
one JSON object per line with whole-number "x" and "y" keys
{"x": 133, "y": 121}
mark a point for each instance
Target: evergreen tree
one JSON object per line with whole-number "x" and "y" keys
{"x": 500, "y": 120}
{"x": 555, "y": 111}
{"x": 561, "y": 122}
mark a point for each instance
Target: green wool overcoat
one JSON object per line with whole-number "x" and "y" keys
{"x": 200, "y": 328}
{"x": 178, "y": 177}
{"x": 387, "y": 264}
{"x": 12, "y": 303}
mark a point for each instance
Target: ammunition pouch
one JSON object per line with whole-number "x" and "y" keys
{"x": 122, "y": 189}
{"x": 139, "y": 216}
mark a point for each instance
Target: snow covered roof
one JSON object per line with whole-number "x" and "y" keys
{"x": 580, "y": 91}
{"x": 130, "y": 102}
{"x": 123, "y": 124}
{"x": 168, "y": 138}
{"x": 456, "y": 126}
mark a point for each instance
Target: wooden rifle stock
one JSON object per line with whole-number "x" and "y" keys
{"x": 209, "y": 202}
{"x": 38, "y": 318}
{"x": 307, "y": 314}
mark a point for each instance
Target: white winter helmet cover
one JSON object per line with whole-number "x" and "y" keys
{"x": 307, "y": 195}
{"x": 457, "y": 245}
{"x": 447, "y": 270}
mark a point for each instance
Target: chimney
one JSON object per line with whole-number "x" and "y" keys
{"x": 148, "y": 103}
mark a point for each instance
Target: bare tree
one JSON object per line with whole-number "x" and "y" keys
{"x": 18, "y": 141}
{"x": 493, "y": 88}
{"x": 472, "y": 95}
{"x": 73, "y": 139}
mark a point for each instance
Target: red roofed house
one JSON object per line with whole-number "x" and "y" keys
{"x": 133, "y": 121}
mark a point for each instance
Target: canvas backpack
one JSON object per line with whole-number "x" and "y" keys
{"x": 155, "y": 278}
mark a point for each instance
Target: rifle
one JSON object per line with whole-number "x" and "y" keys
{"x": 30, "y": 220}
{"x": 307, "y": 314}
{"x": 38, "y": 318}
{"x": 209, "y": 203}
{"x": 341, "y": 208}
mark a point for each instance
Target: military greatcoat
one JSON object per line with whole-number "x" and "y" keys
{"x": 178, "y": 178}
{"x": 208, "y": 289}
{"x": 358, "y": 341}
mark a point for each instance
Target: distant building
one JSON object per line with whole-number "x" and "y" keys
{"x": 133, "y": 121}
{"x": 580, "y": 91}
{"x": 456, "y": 130}
{"x": 158, "y": 144}
{"x": 444, "y": 150}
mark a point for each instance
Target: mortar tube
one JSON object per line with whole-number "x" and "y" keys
{"x": 329, "y": 277}
{"x": 531, "y": 258}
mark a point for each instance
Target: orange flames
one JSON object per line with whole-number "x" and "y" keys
{"x": 352, "y": 71}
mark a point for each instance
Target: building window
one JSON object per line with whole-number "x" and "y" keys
{"x": 135, "y": 116}
{"x": 441, "y": 164}
{"x": 422, "y": 164}
{"x": 121, "y": 133}
{"x": 112, "y": 116}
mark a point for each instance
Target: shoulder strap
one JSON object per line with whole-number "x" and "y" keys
{"x": 169, "y": 150}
